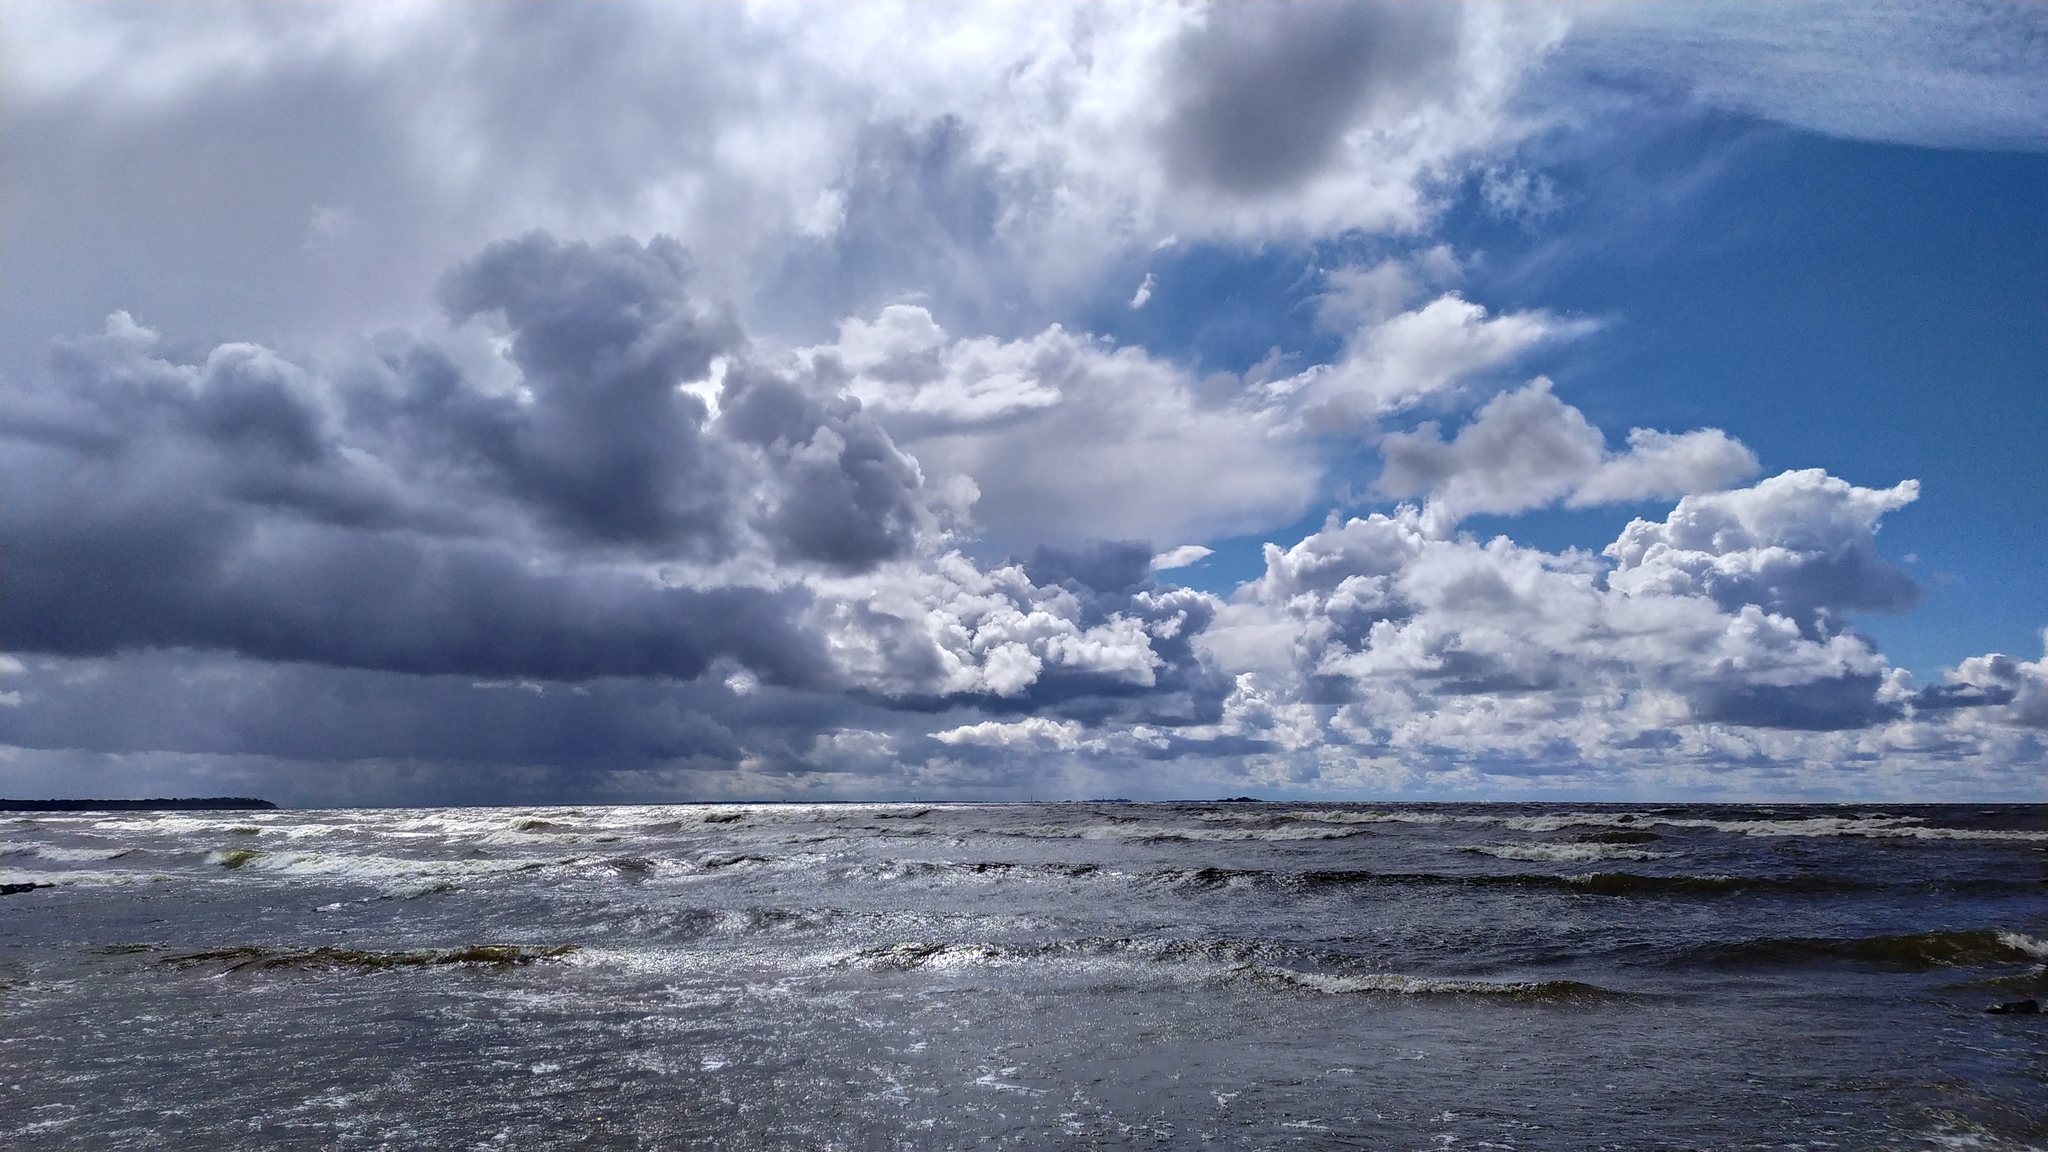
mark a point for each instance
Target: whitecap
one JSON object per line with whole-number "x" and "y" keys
{"x": 1405, "y": 985}
{"x": 67, "y": 855}
{"x": 1565, "y": 853}
{"x": 2038, "y": 949}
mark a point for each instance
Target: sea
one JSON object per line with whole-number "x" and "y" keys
{"x": 1226, "y": 975}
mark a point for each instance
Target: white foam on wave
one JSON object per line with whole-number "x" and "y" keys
{"x": 68, "y": 855}
{"x": 396, "y": 875}
{"x": 2038, "y": 949}
{"x": 1339, "y": 816}
{"x": 81, "y": 878}
{"x": 1282, "y": 833}
{"x": 1566, "y": 853}
{"x": 1138, "y": 833}
{"x": 1398, "y": 983}
{"x": 1909, "y": 827}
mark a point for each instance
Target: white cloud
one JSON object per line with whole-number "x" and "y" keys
{"x": 1358, "y": 297}
{"x": 1066, "y": 437}
{"x": 1421, "y": 355}
{"x": 944, "y": 626}
{"x": 1144, "y": 292}
{"x": 1801, "y": 542}
{"x": 1527, "y": 448}
{"x": 839, "y": 156}
{"x": 1431, "y": 626}
{"x": 1715, "y": 639}
{"x": 1180, "y": 557}
{"x": 1033, "y": 732}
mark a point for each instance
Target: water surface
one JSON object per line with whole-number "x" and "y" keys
{"x": 1226, "y": 975}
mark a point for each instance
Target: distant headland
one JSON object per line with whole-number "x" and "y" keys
{"x": 180, "y": 804}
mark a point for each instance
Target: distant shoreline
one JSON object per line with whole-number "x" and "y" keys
{"x": 186, "y": 803}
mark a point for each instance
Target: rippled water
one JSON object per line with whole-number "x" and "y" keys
{"x": 1229, "y": 975}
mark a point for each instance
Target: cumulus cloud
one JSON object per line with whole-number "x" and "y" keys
{"x": 1801, "y": 545}
{"x": 1527, "y": 448}
{"x": 1422, "y": 355}
{"x": 2020, "y": 687}
{"x": 685, "y": 550}
{"x": 1389, "y": 614}
{"x": 351, "y": 153}
{"x": 580, "y": 515}
{"x": 1714, "y": 635}
{"x": 1066, "y": 437}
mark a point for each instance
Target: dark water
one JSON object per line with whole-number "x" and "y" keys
{"x": 1035, "y": 976}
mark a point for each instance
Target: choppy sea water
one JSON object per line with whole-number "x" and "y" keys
{"x": 1227, "y": 975}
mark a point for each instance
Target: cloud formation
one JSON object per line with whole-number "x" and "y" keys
{"x": 641, "y": 542}
{"x": 660, "y": 401}
{"x": 585, "y": 516}
{"x": 1527, "y": 449}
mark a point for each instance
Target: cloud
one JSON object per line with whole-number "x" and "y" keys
{"x": 1526, "y": 449}
{"x": 1030, "y": 733}
{"x": 1800, "y": 544}
{"x": 577, "y": 516}
{"x": 278, "y": 178}
{"x": 1408, "y": 648}
{"x": 1180, "y": 557}
{"x": 1144, "y": 292}
{"x": 686, "y": 551}
{"x": 1390, "y": 616}
{"x": 1066, "y": 437}
{"x": 1941, "y": 75}
{"x": 1262, "y": 97}
{"x": 1422, "y": 355}
{"x": 1996, "y": 679}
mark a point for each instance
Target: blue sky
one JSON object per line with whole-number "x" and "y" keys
{"x": 1869, "y": 308}
{"x": 455, "y": 404}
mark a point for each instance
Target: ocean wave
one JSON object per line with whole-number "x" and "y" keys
{"x": 1816, "y": 825}
{"x": 1918, "y": 951}
{"x": 67, "y": 855}
{"x": 1565, "y": 853}
{"x": 1281, "y": 832}
{"x": 1345, "y": 816}
{"x": 1400, "y": 984}
{"x": 395, "y": 875}
{"x": 1219, "y": 955}
{"x": 1266, "y": 828}
{"x": 1590, "y": 883}
{"x": 79, "y": 878}
{"x": 254, "y": 956}
{"x": 2021, "y": 942}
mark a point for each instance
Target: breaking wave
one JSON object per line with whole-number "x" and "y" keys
{"x": 1565, "y": 853}
{"x": 259, "y": 958}
{"x": 1430, "y": 985}
{"x": 1918, "y": 951}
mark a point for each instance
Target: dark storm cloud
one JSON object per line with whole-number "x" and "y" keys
{"x": 608, "y": 449}
{"x": 214, "y": 704}
{"x": 1098, "y": 566}
{"x": 90, "y": 581}
{"x": 1825, "y": 705}
{"x": 852, "y": 499}
{"x": 1263, "y": 92}
{"x": 405, "y": 517}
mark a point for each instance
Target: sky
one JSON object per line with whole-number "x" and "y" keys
{"x": 523, "y": 403}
